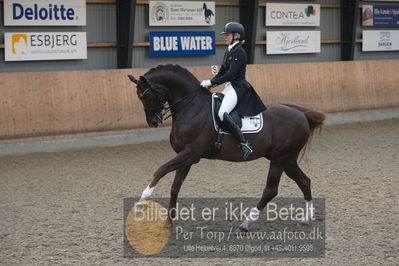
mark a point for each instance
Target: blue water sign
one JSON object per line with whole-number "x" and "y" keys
{"x": 182, "y": 43}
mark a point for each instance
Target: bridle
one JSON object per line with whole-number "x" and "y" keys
{"x": 164, "y": 106}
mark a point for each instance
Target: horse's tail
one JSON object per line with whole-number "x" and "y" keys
{"x": 315, "y": 118}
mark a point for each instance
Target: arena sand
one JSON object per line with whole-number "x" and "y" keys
{"x": 67, "y": 208}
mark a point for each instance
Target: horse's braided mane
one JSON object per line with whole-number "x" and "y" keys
{"x": 172, "y": 68}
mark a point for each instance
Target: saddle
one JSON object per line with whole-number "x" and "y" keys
{"x": 248, "y": 124}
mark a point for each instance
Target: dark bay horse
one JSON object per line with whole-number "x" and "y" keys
{"x": 286, "y": 131}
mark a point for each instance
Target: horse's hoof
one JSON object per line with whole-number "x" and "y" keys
{"x": 168, "y": 223}
{"x": 303, "y": 224}
{"x": 242, "y": 230}
{"x": 141, "y": 202}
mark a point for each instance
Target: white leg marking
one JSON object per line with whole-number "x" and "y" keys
{"x": 146, "y": 193}
{"x": 251, "y": 218}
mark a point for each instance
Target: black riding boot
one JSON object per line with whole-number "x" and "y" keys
{"x": 229, "y": 123}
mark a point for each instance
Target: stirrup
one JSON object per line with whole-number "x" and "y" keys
{"x": 246, "y": 149}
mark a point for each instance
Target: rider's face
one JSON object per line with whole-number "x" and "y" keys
{"x": 228, "y": 37}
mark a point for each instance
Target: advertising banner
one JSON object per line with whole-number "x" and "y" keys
{"x": 380, "y": 15}
{"x": 44, "y": 12}
{"x": 181, "y": 13}
{"x": 33, "y": 46}
{"x": 182, "y": 43}
{"x": 374, "y": 40}
{"x": 292, "y": 14}
{"x": 292, "y": 42}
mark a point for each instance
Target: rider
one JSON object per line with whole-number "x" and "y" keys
{"x": 238, "y": 93}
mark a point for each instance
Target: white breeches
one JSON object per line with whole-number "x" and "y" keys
{"x": 229, "y": 100}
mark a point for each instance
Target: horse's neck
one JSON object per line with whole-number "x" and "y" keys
{"x": 177, "y": 90}
{"x": 198, "y": 101}
{"x": 189, "y": 101}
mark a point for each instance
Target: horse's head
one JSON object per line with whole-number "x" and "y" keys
{"x": 165, "y": 83}
{"x": 153, "y": 100}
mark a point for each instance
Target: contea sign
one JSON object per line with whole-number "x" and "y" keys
{"x": 44, "y": 12}
{"x": 292, "y": 14}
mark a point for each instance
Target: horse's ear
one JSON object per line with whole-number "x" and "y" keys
{"x": 144, "y": 80}
{"x": 133, "y": 79}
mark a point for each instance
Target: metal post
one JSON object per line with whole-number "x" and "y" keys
{"x": 349, "y": 20}
{"x": 249, "y": 18}
{"x": 125, "y": 14}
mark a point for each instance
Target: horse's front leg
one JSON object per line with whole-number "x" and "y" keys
{"x": 184, "y": 158}
{"x": 180, "y": 176}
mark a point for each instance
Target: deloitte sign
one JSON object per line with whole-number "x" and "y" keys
{"x": 44, "y": 12}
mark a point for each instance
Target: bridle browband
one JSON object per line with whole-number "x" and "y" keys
{"x": 164, "y": 107}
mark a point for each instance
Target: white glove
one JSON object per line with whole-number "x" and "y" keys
{"x": 206, "y": 84}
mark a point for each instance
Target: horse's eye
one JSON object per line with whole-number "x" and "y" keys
{"x": 141, "y": 95}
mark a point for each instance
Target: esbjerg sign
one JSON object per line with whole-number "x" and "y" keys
{"x": 44, "y": 12}
{"x": 292, "y": 14}
{"x": 34, "y": 46}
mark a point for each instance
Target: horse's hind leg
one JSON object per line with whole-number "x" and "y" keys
{"x": 180, "y": 176}
{"x": 303, "y": 181}
{"x": 270, "y": 191}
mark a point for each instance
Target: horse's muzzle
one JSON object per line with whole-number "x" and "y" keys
{"x": 153, "y": 124}
{"x": 154, "y": 120}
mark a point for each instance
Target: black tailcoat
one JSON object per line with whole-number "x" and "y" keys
{"x": 233, "y": 70}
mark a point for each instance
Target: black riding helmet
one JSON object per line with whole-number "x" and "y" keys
{"x": 234, "y": 27}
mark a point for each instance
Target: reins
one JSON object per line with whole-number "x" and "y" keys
{"x": 169, "y": 109}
